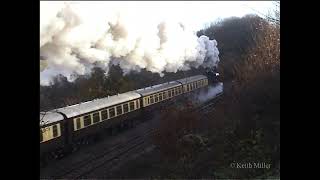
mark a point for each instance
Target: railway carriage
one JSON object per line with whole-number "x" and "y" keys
{"x": 192, "y": 83}
{"x": 65, "y": 127}
{"x": 155, "y": 96}
{"x": 52, "y": 136}
{"x": 87, "y": 118}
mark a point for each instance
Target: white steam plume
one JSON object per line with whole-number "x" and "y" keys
{"x": 74, "y": 36}
{"x": 212, "y": 92}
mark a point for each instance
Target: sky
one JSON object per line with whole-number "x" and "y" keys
{"x": 198, "y": 13}
{"x": 194, "y": 14}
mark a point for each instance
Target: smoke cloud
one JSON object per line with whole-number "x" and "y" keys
{"x": 76, "y": 35}
{"x": 212, "y": 92}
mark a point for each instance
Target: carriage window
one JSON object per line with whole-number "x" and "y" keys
{"x": 104, "y": 114}
{"x": 41, "y": 136}
{"x": 131, "y": 104}
{"x": 169, "y": 93}
{"x": 148, "y": 100}
{"x": 87, "y": 120}
{"x": 151, "y": 99}
{"x": 160, "y": 96}
{"x": 125, "y": 108}
{"x": 112, "y": 112}
{"x": 55, "y": 130}
{"x": 96, "y": 117}
{"x": 156, "y": 99}
{"x": 119, "y": 110}
{"x": 188, "y": 87}
{"x": 164, "y": 95}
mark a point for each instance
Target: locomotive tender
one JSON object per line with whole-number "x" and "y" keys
{"x": 64, "y": 127}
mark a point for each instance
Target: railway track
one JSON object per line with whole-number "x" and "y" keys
{"x": 208, "y": 105}
{"x": 106, "y": 159}
{"x": 109, "y": 157}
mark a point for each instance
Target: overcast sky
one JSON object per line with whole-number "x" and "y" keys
{"x": 195, "y": 14}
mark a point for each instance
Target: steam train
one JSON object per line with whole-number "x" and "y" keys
{"x": 63, "y": 129}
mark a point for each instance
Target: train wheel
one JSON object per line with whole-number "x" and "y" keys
{"x": 75, "y": 148}
{"x": 43, "y": 162}
{"x": 109, "y": 131}
{"x": 131, "y": 124}
{"x": 96, "y": 138}
{"x": 84, "y": 141}
{"x": 46, "y": 159}
{"x": 126, "y": 125}
{"x": 121, "y": 126}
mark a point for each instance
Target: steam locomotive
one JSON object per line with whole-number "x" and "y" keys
{"x": 63, "y": 129}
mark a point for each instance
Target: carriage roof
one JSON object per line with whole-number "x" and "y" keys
{"x": 49, "y": 117}
{"x": 191, "y": 79}
{"x": 89, "y": 106}
{"x": 157, "y": 88}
